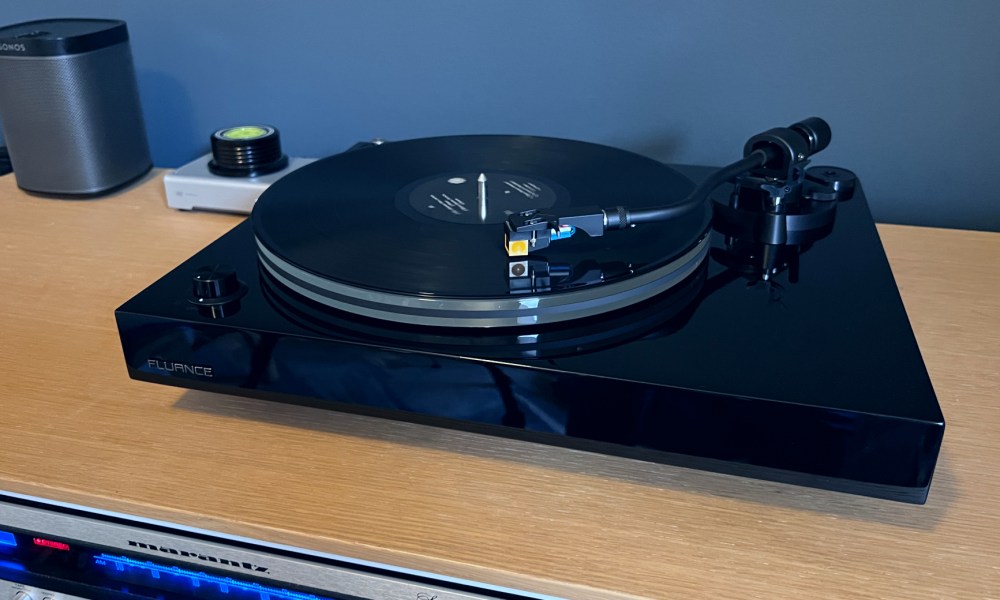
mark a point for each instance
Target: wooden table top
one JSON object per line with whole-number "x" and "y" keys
{"x": 75, "y": 428}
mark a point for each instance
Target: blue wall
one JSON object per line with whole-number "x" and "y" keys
{"x": 909, "y": 86}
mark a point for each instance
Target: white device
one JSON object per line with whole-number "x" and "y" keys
{"x": 194, "y": 187}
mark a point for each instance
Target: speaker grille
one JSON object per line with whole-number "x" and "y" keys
{"x": 73, "y": 124}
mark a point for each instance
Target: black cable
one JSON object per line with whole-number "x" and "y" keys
{"x": 5, "y": 165}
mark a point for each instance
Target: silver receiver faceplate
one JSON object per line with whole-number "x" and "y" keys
{"x": 150, "y": 542}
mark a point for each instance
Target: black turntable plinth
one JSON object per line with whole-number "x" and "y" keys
{"x": 461, "y": 282}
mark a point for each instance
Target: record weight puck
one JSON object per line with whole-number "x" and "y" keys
{"x": 399, "y": 231}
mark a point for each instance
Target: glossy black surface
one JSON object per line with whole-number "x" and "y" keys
{"x": 811, "y": 377}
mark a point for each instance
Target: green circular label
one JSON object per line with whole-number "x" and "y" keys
{"x": 247, "y": 132}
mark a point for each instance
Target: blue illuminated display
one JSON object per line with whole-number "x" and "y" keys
{"x": 11, "y": 566}
{"x": 7, "y": 539}
{"x": 122, "y": 565}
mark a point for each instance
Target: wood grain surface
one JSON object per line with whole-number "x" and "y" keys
{"x": 75, "y": 428}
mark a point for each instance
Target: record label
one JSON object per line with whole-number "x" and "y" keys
{"x": 479, "y": 197}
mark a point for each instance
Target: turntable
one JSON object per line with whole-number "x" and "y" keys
{"x": 572, "y": 294}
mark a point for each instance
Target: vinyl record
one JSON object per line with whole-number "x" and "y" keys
{"x": 397, "y": 232}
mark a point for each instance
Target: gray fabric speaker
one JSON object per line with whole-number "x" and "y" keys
{"x": 69, "y": 106}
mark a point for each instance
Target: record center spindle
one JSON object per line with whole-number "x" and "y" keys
{"x": 482, "y": 197}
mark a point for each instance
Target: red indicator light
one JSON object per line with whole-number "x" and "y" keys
{"x": 50, "y": 544}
